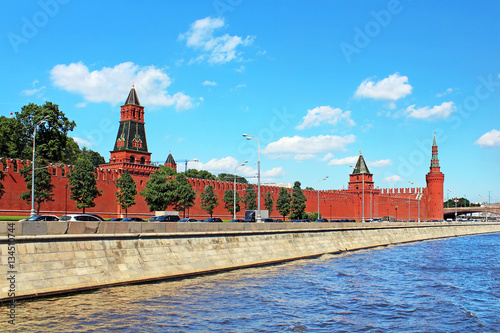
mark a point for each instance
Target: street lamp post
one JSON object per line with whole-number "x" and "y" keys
{"x": 318, "y": 192}
{"x": 455, "y": 199}
{"x": 234, "y": 191}
{"x": 44, "y": 120}
{"x": 253, "y": 137}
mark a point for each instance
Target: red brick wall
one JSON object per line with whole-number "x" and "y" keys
{"x": 334, "y": 204}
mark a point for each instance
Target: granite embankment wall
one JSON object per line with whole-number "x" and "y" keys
{"x": 56, "y": 257}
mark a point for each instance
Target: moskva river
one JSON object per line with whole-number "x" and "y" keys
{"x": 448, "y": 285}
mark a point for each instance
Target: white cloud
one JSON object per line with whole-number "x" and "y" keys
{"x": 446, "y": 92}
{"x": 326, "y": 157}
{"x": 325, "y": 114}
{"x": 228, "y": 164}
{"x": 442, "y": 111}
{"x": 311, "y": 145}
{"x": 391, "y": 88}
{"x": 112, "y": 85}
{"x": 490, "y": 139}
{"x": 209, "y": 83}
{"x": 380, "y": 164}
{"x": 35, "y": 91}
{"x": 214, "y": 49}
{"x": 81, "y": 105}
{"x": 302, "y": 157}
{"x": 390, "y": 179}
{"x": 344, "y": 161}
{"x": 82, "y": 142}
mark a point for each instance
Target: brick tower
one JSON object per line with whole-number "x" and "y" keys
{"x": 435, "y": 180}
{"x": 360, "y": 177}
{"x": 131, "y": 145}
{"x": 170, "y": 162}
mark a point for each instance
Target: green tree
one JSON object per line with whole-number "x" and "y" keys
{"x": 83, "y": 185}
{"x": 43, "y": 184}
{"x": 209, "y": 200}
{"x": 309, "y": 188}
{"x": 283, "y": 202}
{"x": 93, "y": 156}
{"x": 184, "y": 195}
{"x": 228, "y": 200}
{"x": 227, "y": 177}
{"x": 127, "y": 190}
{"x": 159, "y": 192}
{"x": 298, "y": 205}
{"x": 462, "y": 202}
{"x": 249, "y": 199}
{"x": 269, "y": 202}
{"x": 199, "y": 174}
{"x": 12, "y": 138}
{"x": 51, "y": 138}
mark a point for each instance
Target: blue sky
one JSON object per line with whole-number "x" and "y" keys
{"x": 315, "y": 81}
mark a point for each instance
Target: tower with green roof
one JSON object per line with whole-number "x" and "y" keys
{"x": 435, "y": 181}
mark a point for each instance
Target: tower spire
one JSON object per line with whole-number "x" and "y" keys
{"x": 434, "y": 158}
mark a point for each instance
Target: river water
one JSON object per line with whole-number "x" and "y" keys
{"x": 447, "y": 285}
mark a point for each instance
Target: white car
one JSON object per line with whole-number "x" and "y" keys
{"x": 80, "y": 217}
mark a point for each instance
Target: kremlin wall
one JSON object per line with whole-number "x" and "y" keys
{"x": 130, "y": 154}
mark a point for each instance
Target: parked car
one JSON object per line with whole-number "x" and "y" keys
{"x": 236, "y": 220}
{"x": 188, "y": 219}
{"x": 153, "y": 219}
{"x": 213, "y": 219}
{"x": 278, "y": 220}
{"x": 41, "y": 218}
{"x": 133, "y": 219}
{"x": 116, "y": 219}
{"x": 167, "y": 218}
{"x": 321, "y": 220}
{"x": 267, "y": 220}
{"x": 80, "y": 217}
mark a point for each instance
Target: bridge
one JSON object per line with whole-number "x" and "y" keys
{"x": 450, "y": 212}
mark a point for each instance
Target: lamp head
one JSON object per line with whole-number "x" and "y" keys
{"x": 245, "y": 135}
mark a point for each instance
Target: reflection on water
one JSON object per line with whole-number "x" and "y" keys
{"x": 450, "y": 285}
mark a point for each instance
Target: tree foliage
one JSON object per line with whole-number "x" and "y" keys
{"x": 269, "y": 202}
{"x": 227, "y": 177}
{"x": 283, "y": 202}
{"x": 159, "y": 190}
{"x": 462, "y": 202}
{"x": 209, "y": 201}
{"x": 83, "y": 185}
{"x": 228, "y": 200}
{"x": 184, "y": 195}
{"x": 127, "y": 190}
{"x": 93, "y": 156}
{"x": 12, "y": 139}
{"x": 249, "y": 198}
{"x": 163, "y": 190}
{"x": 199, "y": 174}
{"x": 51, "y": 137}
{"x": 298, "y": 205}
{"x": 43, "y": 184}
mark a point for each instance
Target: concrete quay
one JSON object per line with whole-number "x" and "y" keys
{"x": 43, "y": 258}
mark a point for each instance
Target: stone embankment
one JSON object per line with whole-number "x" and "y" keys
{"x": 42, "y": 258}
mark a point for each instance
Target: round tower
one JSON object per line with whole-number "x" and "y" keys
{"x": 435, "y": 181}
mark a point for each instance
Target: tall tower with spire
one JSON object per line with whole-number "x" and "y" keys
{"x": 360, "y": 178}
{"x": 435, "y": 181}
{"x": 131, "y": 145}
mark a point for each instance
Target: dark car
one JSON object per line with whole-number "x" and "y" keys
{"x": 321, "y": 220}
{"x": 41, "y": 218}
{"x": 267, "y": 220}
{"x": 278, "y": 220}
{"x": 236, "y": 220}
{"x": 167, "y": 218}
{"x": 213, "y": 219}
{"x": 116, "y": 219}
{"x": 188, "y": 219}
{"x": 133, "y": 219}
